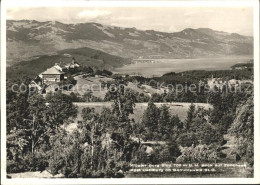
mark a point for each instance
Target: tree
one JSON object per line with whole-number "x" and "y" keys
{"x": 25, "y": 130}
{"x": 242, "y": 129}
{"x": 65, "y": 154}
{"x": 176, "y": 123}
{"x": 75, "y": 97}
{"x": 156, "y": 97}
{"x": 60, "y": 110}
{"x": 190, "y": 116}
{"x": 40, "y": 120}
{"x": 107, "y": 137}
{"x": 165, "y": 127}
{"x": 16, "y": 108}
{"x": 189, "y": 96}
{"x": 92, "y": 129}
{"x": 87, "y": 97}
{"x": 170, "y": 96}
{"x": 108, "y": 120}
{"x": 141, "y": 97}
{"x": 150, "y": 120}
{"x": 214, "y": 98}
{"x": 124, "y": 104}
{"x": 199, "y": 129}
{"x": 37, "y": 127}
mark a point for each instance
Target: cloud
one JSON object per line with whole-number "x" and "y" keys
{"x": 93, "y": 14}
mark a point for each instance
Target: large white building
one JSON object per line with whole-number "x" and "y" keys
{"x": 52, "y": 75}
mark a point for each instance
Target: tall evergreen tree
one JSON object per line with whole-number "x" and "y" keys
{"x": 190, "y": 116}
{"x": 151, "y": 117}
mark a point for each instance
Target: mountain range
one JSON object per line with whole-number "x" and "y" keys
{"x": 27, "y": 39}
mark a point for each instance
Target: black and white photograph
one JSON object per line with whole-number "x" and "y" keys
{"x": 129, "y": 91}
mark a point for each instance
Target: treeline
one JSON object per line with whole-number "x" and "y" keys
{"x": 88, "y": 71}
{"x": 199, "y": 95}
{"x": 249, "y": 65}
{"x": 194, "y": 76}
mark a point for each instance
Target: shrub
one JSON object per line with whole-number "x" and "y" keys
{"x": 200, "y": 153}
{"x": 30, "y": 162}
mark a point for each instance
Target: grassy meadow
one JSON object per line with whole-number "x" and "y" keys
{"x": 179, "y": 109}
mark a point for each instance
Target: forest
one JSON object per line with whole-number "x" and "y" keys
{"x": 105, "y": 144}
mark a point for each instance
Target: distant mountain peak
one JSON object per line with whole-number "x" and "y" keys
{"x": 28, "y": 38}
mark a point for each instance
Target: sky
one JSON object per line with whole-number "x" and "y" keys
{"x": 166, "y": 19}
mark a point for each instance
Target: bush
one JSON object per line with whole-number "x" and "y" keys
{"x": 14, "y": 167}
{"x": 68, "y": 83}
{"x": 36, "y": 162}
{"x": 30, "y": 162}
{"x": 187, "y": 139}
{"x": 198, "y": 154}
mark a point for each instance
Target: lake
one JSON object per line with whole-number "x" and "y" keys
{"x": 178, "y": 65}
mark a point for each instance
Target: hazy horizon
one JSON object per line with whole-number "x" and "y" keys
{"x": 164, "y": 19}
{"x": 124, "y": 26}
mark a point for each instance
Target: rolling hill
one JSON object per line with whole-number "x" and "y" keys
{"x": 29, "y": 38}
{"x": 85, "y": 56}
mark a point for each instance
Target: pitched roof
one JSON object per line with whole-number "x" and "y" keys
{"x": 53, "y": 71}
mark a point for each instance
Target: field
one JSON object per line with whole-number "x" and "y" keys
{"x": 89, "y": 83}
{"x": 94, "y": 84}
{"x": 178, "y": 65}
{"x": 179, "y": 109}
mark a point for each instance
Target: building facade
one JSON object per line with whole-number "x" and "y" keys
{"x": 52, "y": 75}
